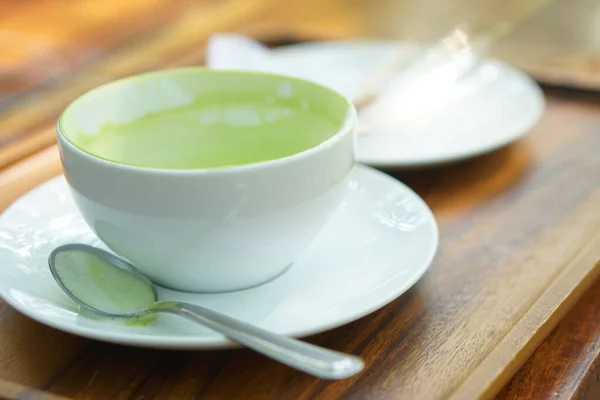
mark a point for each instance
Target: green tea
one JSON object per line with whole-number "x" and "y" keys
{"x": 211, "y": 135}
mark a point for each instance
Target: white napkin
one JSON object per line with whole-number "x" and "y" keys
{"x": 235, "y": 51}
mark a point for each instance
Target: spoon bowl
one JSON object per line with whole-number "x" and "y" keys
{"x": 109, "y": 286}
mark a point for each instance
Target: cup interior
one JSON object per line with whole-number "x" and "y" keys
{"x": 196, "y": 118}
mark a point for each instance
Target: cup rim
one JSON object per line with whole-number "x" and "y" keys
{"x": 347, "y": 127}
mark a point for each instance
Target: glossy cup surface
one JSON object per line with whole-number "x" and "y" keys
{"x": 206, "y": 230}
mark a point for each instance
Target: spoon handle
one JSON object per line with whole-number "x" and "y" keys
{"x": 314, "y": 360}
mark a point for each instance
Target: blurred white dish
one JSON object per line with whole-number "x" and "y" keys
{"x": 441, "y": 121}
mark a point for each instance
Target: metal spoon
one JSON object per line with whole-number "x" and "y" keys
{"x": 63, "y": 261}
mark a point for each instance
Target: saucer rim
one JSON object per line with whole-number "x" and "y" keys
{"x": 190, "y": 342}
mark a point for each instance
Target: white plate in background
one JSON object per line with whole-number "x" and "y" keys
{"x": 490, "y": 107}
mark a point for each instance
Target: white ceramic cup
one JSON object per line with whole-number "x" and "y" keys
{"x": 206, "y": 230}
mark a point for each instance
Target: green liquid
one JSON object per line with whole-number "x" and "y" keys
{"x": 217, "y": 135}
{"x": 103, "y": 286}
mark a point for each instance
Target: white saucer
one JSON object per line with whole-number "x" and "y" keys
{"x": 492, "y": 106}
{"x": 377, "y": 246}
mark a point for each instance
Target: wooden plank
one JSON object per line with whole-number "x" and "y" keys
{"x": 10, "y": 390}
{"x": 184, "y": 33}
{"x": 25, "y": 175}
{"x": 516, "y": 347}
{"x": 567, "y": 364}
{"x": 28, "y": 145}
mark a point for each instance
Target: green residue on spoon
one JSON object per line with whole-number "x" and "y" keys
{"x": 104, "y": 287}
{"x": 141, "y": 320}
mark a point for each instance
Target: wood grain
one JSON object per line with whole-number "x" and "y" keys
{"x": 28, "y": 145}
{"x": 571, "y": 351}
{"x": 519, "y": 227}
{"x": 36, "y": 169}
{"x": 10, "y": 390}
{"x": 182, "y": 35}
{"x": 506, "y": 358}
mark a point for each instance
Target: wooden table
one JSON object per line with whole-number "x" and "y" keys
{"x": 520, "y": 230}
